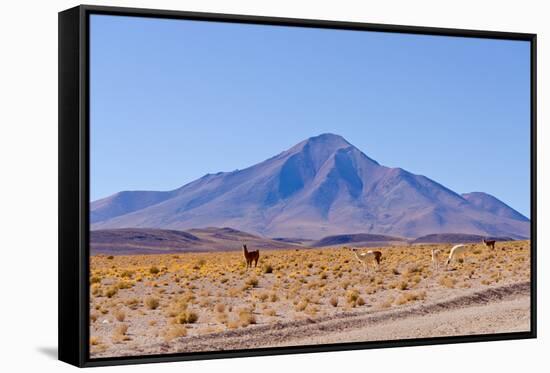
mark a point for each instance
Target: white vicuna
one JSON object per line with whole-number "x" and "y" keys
{"x": 435, "y": 258}
{"x": 457, "y": 250}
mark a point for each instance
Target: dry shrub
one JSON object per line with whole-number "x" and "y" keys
{"x": 412, "y": 269}
{"x": 154, "y": 270}
{"x": 447, "y": 282}
{"x": 127, "y": 274}
{"x": 175, "y": 331}
{"x": 110, "y": 291}
{"x": 301, "y": 306}
{"x": 124, "y": 285}
{"x": 95, "y": 280}
{"x": 262, "y": 297}
{"x": 186, "y": 317}
{"x": 270, "y": 312}
{"x": 246, "y": 317}
{"x": 333, "y": 301}
{"x": 222, "y": 317}
{"x": 152, "y": 303}
{"x": 252, "y": 282}
{"x": 132, "y": 303}
{"x": 94, "y": 341}
{"x": 352, "y": 296}
{"x": 95, "y": 289}
{"x": 120, "y": 315}
{"x": 410, "y": 297}
{"x": 119, "y": 334}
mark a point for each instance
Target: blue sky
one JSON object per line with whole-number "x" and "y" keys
{"x": 172, "y": 100}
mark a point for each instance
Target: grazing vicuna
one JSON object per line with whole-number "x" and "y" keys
{"x": 370, "y": 255}
{"x": 435, "y": 258}
{"x": 455, "y": 251}
{"x": 490, "y": 243}
{"x": 251, "y": 256}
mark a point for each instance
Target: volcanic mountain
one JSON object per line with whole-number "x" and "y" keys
{"x": 319, "y": 187}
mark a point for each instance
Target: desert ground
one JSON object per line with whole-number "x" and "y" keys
{"x": 151, "y": 304}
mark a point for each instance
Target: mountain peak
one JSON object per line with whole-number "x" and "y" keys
{"x": 328, "y": 137}
{"x": 329, "y": 140}
{"x": 326, "y": 144}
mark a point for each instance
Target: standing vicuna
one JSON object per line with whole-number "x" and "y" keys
{"x": 435, "y": 258}
{"x": 371, "y": 255}
{"x": 455, "y": 251}
{"x": 250, "y": 256}
{"x": 490, "y": 243}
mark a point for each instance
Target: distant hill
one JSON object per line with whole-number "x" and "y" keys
{"x": 360, "y": 239}
{"x": 298, "y": 241}
{"x": 134, "y": 241}
{"x": 322, "y": 186}
{"x": 456, "y": 238}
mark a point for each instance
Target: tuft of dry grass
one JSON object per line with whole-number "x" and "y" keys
{"x": 246, "y": 317}
{"x": 119, "y": 333}
{"x": 252, "y": 282}
{"x": 186, "y": 317}
{"x": 110, "y": 291}
{"x": 119, "y": 314}
{"x": 411, "y": 297}
{"x": 152, "y": 303}
{"x": 447, "y": 281}
{"x": 175, "y": 331}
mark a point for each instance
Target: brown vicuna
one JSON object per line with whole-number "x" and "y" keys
{"x": 250, "y": 256}
{"x": 490, "y": 244}
{"x": 364, "y": 258}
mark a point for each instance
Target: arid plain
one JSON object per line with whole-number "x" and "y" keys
{"x": 168, "y": 303}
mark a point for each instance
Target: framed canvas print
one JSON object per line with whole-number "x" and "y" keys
{"x": 235, "y": 186}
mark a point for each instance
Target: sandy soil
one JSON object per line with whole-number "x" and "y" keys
{"x": 497, "y": 310}
{"x": 302, "y": 297}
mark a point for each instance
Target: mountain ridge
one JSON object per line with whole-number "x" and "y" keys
{"x": 319, "y": 187}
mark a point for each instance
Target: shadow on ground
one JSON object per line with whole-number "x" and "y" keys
{"x": 50, "y": 352}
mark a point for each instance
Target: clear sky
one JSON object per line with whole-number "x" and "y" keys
{"x": 172, "y": 100}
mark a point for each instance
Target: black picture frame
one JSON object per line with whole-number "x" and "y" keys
{"x": 74, "y": 183}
